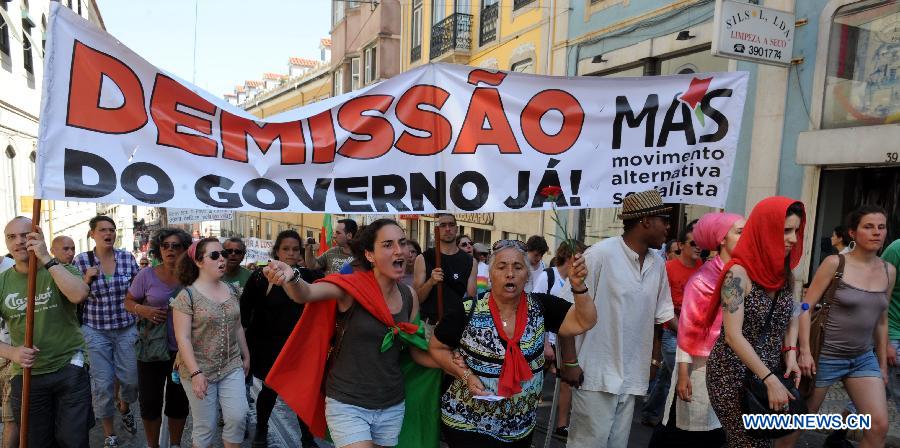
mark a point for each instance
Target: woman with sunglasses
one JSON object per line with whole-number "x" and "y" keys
{"x": 465, "y": 244}
{"x": 492, "y": 401}
{"x": 211, "y": 345}
{"x": 148, "y": 298}
{"x": 269, "y": 316}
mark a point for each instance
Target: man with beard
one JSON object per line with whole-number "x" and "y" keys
{"x": 334, "y": 259}
{"x": 608, "y": 365}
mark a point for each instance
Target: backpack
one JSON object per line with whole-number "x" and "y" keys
{"x": 551, "y": 278}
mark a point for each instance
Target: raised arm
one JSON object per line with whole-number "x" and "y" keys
{"x": 583, "y": 316}
{"x": 281, "y": 274}
{"x": 70, "y": 285}
{"x": 310, "y": 258}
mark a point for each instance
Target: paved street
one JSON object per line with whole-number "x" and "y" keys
{"x": 284, "y": 431}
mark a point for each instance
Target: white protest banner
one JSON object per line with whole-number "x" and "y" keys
{"x": 186, "y": 216}
{"x": 258, "y": 250}
{"x": 441, "y": 137}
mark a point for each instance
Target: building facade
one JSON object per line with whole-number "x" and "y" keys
{"x": 23, "y": 29}
{"x": 365, "y": 39}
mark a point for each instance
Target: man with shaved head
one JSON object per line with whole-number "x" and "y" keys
{"x": 60, "y": 411}
{"x": 63, "y": 248}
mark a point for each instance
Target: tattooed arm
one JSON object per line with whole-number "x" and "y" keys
{"x": 734, "y": 289}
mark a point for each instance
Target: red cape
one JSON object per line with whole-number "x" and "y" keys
{"x": 298, "y": 373}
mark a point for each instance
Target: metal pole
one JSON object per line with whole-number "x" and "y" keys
{"x": 29, "y": 328}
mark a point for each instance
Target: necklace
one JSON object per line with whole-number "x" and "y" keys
{"x": 504, "y": 323}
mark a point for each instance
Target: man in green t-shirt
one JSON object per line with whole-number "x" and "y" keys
{"x": 334, "y": 259}
{"x": 235, "y": 274}
{"x": 60, "y": 410}
{"x": 892, "y": 256}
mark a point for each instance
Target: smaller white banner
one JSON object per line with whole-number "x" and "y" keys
{"x": 752, "y": 32}
{"x": 186, "y": 216}
{"x": 258, "y": 250}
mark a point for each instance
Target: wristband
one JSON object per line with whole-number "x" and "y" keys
{"x": 655, "y": 363}
{"x": 571, "y": 364}
{"x": 466, "y": 376}
{"x": 770, "y": 374}
{"x": 786, "y": 349}
{"x": 196, "y": 373}
{"x": 582, "y": 291}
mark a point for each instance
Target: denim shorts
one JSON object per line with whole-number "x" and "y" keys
{"x": 350, "y": 424}
{"x": 832, "y": 370}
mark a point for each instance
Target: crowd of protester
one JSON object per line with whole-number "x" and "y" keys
{"x": 375, "y": 342}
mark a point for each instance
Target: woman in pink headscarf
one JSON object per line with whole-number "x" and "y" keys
{"x": 691, "y": 411}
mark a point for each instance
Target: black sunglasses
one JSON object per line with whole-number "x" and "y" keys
{"x": 465, "y": 244}
{"x": 172, "y": 246}
{"x": 229, "y": 252}
{"x": 214, "y": 255}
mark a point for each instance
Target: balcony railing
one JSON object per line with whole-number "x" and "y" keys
{"x": 451, "y": 34}
{"x": 489, "y": 15}
{"x": 520, "y": 3}
{"x": 415, "y": 53}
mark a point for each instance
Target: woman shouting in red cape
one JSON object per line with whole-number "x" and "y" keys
{"x": 349, "y": 375}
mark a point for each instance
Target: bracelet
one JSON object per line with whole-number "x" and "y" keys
{"x": 770, "y": 374}
{"x": 466, "y": 376}
{"x": 786, "y": 349}
{"x": 582, "y": 291}
{"x": 655, "y": 363}
{"x": 196, "y": 373}
{"x": 570, "y": 364}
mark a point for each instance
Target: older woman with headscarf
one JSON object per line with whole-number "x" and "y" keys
{"x": 492, "y": 401}
{"x": 689, "y": 415}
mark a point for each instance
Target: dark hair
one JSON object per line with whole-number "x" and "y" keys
{"x": 96, "y": 219}
{"x": 283, "y": 235}
{"x": 187, "y": 267}
{"x": 365, "y": 241}
{"x": 682, "y": 237}
{"x": 349, "y": 226}
{"x": 536, "y": 243}
{"x": 856, "y": 216}
{"x": 796, "y": 209}
{"x": 438, "y": 216}
{"x": 567, "y": 250}
{"x": 237, "y": 241}
{"x": 629, "y": 224}
{"x": 415, "y": 246}
{"x": 669, "y": 246}
{"x": 459, "y": 238}
{"x": 163, "y": 234}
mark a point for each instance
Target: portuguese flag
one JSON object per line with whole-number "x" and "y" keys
{"x": 325, "y": 234}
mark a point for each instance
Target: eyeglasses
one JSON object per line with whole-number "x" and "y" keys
{"x": 171, "y": 246}
{"x": 230, "y": 252}
{"x": 504, "y": 244}
{"x": 214, "y": 255}
{"x": 465, "y": 244}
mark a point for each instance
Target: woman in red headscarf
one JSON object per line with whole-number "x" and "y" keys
{"x": 756, "y": 286}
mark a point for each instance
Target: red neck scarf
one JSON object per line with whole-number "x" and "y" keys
{"x": 760, "y": 251}
{"x": 515, "y": 368}
{"x": 298, "y": 372}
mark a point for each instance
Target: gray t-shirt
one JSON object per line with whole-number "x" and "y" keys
{"x": 333, "y": 260}
{"x": 362, "y": 375}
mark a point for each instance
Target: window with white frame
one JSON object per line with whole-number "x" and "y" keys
{"x": 337, "y": 11}
{"x": 4, "y": 32}
{"x": 354, "y": 74}
{"x": 438, "y": 11}
{"x": 523, "y": 66}
{"x": 338, "y": 87}
{"x": 370, "y": 62}
{"x": 417, "y": 24}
